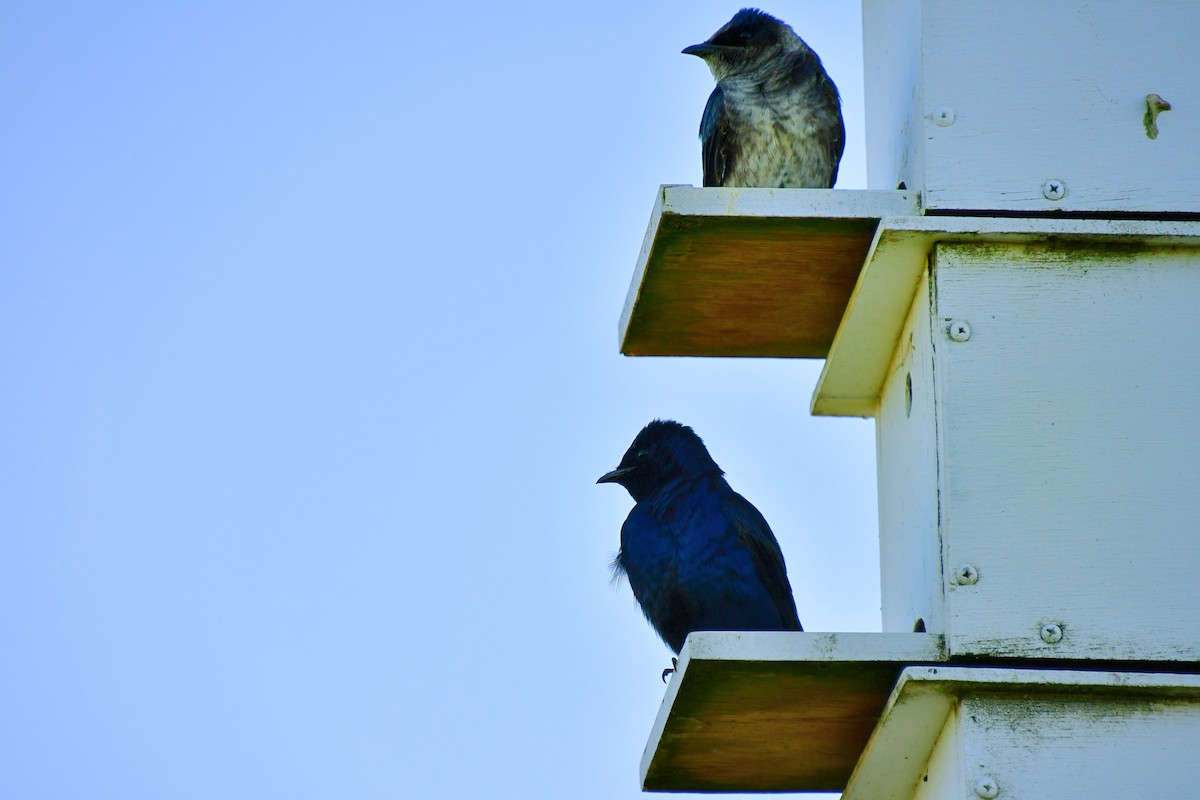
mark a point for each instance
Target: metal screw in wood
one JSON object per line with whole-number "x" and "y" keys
{"x": 987, "y": 788}
{"x": 966, "y": 575}
{"x": 1054, "y": 189}
{"x": 1051, "y": 633}
{"x": 943, "y": 116}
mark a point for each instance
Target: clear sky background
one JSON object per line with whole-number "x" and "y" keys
{"x": 308, "y": 366}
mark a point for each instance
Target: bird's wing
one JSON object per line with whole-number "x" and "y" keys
{"x": 837, "y": 141}
{"x": 753, "y": 531}
{"x": 716, "y": 138}
{"x": 807, "y": 67}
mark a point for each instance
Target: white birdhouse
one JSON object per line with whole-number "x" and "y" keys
{"x": 1028, "y": 105}
{"x": 1022, "y": 322}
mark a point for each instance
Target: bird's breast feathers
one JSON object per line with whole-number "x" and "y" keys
{"x": 780, "y": 138}
{"x": 686, "y": 527}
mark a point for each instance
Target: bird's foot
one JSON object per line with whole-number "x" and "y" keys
{"x": 669, "y": 670}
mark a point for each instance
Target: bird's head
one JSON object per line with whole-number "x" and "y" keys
{"x": 749, "y": 40}
{"x": 662, "y": 452}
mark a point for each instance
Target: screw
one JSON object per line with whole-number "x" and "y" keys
{"x": 943, "y": 116}
{"x": 959, "y": 330}
{"x": 987, "y": 788}
{"x": 1054, "y": 189}
{"x": 966, "y": 575}
{"x": 1051, "y": 633}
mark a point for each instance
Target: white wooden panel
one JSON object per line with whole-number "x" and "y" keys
{"x": 862, "y": 349}
{"x": 943, "y": 777}
{"x": 1083, "y": 746}
{"x": 738, "y": 201}
{"x": 914, "y": 750}
{"x": 830, "y": 648}
{"x": 1070, "y": 449}
{"x": 1037, "y": 90}
{"x": 866, "y": 338}
{"x": 1058, "y": 90}
{"x": 1036, "y": 733}
{"x": 892, "y": 77}
{"x": 906, "y": 449}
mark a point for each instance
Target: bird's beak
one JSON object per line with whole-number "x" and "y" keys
{"x": 615, "y": 476}
{"x": 703, "y": 50}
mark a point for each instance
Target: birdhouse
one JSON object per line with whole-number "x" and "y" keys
{"x": 1039, "y": 465}
{"x": 1021, "y": 323}
{"x": 1029, "y": 106}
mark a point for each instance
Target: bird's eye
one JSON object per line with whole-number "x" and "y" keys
{"x": 744, "y": 36}
{"x": 642, "y": 454}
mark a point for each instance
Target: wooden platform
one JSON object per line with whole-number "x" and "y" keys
{"x": 750, "y": 272}
{"x": 775, "y": 712}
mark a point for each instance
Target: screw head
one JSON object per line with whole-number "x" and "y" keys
{"x": 966, "y": 575}
{"x": 942, "y": 116}
{"x": 1054, "y": 189}
{"x": 987, "y": 788}
{"x": 1051, "y": 633}
{"x": 959, "y": 330}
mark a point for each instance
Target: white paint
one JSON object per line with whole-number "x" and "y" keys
{"x": 811, "y": 647}
{"x": 691, "y": 201}
{"x": 1038, "y": 91}
{"x": 944, "y": 776}
{"x": 910, "y": 550}
{"x": 1080, "y": 746}
{"x": 909, "y": 741}
{"x": 852, "y": 380}
{"x": 1054, "y": 450}
{"x": 892, "y": 84}
{"x": 1069, "y": 471}
{"x": 1036, "y": 733}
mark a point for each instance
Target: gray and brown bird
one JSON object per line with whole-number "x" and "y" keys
{"x": 775, "y": 118}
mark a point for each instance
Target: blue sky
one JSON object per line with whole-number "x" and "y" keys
{"x": 308, "y": 339}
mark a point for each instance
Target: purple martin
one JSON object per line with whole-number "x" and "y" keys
{"x": 698, "y": 555}
{"x": 775, "y": 118}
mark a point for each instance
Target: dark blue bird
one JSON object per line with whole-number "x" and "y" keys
{"x": 698, "y": 555}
